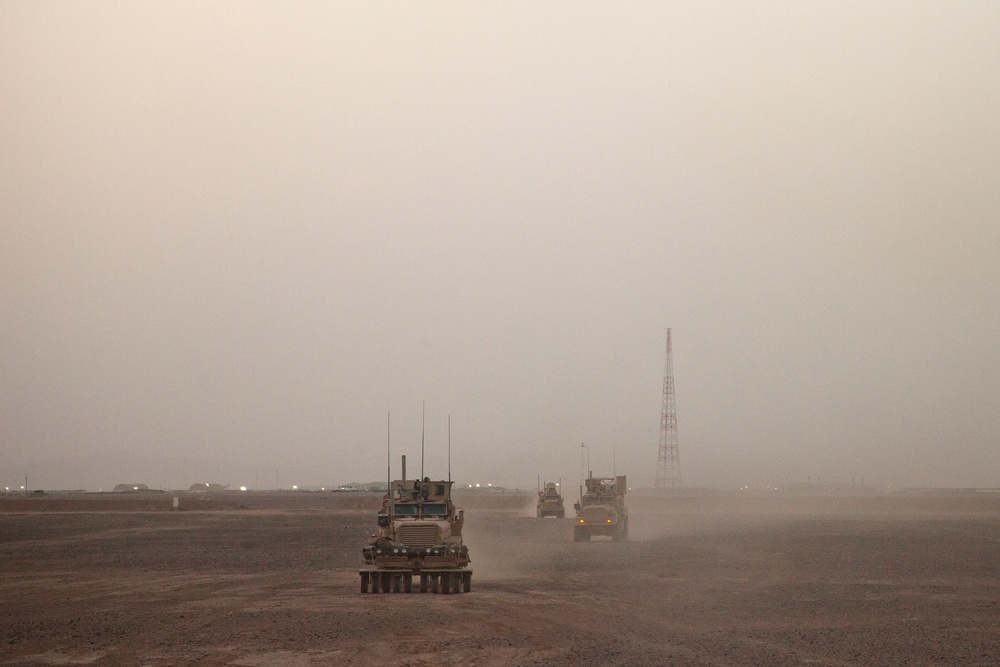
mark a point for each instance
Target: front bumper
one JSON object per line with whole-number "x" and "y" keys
{"x": 401, "y": 556}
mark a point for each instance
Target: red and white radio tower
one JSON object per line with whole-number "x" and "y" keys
{"x": 668, "y": 463}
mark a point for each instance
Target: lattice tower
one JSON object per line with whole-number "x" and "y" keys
{"x": 668, "y": 463}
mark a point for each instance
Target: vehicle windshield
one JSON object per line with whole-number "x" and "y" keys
{"x": 413, "y": 509}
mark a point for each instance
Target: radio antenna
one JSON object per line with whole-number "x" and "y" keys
{"x": 388, "y": 457}
{"x": 449, "y": 448}
{"x": 423, "y": 411}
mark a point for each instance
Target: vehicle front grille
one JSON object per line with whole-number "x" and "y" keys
{"x": 417, "y": 535}
{"x": 597, "y": 514}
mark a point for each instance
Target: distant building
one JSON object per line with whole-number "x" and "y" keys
{"x": 130, "y": 488}
{"x": 207, "y": 488}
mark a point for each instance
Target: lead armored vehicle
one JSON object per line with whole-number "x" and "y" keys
{"x": 419, "y": 535}
{"x": 601, "y": 510}
{"x": 550, "y": 503}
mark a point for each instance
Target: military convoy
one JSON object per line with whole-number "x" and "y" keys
{"x": 419, "y": 532}
{"x": 550, "y": 503}
{"x": 601, "y": 509}
{"x": 419, "y": 535}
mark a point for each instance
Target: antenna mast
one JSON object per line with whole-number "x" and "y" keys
{"x": 423, "y": 412}
{"x": 668, "y": 465}
{"x": 388, "y": 457}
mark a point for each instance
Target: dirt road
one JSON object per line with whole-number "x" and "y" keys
{"x": 271, "y": 579}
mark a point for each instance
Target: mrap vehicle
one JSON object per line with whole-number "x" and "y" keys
{"x": 550, "y": 503}
{"x": 601, "y": 509}
{"x": 419, "y": 534}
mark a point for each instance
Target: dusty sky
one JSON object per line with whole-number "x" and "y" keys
{"x": 236, "y": 235}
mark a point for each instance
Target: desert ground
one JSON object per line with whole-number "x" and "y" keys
{"x": 263, "y": 579}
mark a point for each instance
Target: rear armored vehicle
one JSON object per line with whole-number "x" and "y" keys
{"x": 550, "y": 503}
{"x": 419, "y": 535}
{"x": 601, "y": 510}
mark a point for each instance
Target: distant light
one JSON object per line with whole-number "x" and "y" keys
{"x": 322, "y": 488}
{"x": 477, "y": 486}
{"x": 489, "y": 485}
{"x": 294, "y": 487}
{"x": 243, "y": 488}
{"x": 135, "y": 488}
{"x": 22, "y": 486}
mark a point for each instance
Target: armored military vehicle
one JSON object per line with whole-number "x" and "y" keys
{"x": 419, "y": 534}
{"x": 550, "y": 503}
{"x": 601, "y": 509}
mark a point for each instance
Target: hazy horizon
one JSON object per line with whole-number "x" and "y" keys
{"x": 245, "y": 232}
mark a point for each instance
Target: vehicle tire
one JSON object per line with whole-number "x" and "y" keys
{"x": 434, "y": 583}
{"x": 423, "y": 583}
{"x": 456, "y": 582}
{"x": 364, "y": 582}
{"x": 467, "y": 581}
{"x": 407, "y": 583}
{"x": 445, "y": 583}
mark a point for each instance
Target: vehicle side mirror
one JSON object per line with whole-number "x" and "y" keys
{"x": 383, "y": 520}
{"x": 576, "y": 506}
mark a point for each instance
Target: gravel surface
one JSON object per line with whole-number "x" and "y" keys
{"x": 272, "y": 579}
